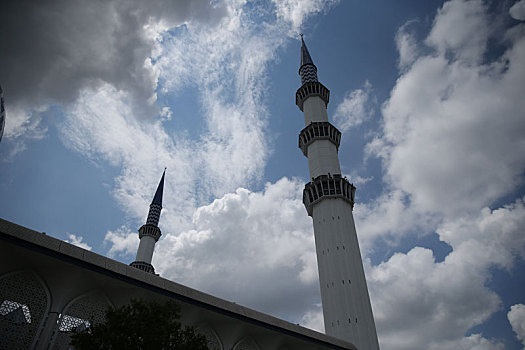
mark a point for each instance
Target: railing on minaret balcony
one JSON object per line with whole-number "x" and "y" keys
{"x": 310, "y": 89}
{"x": 327, "y": 186}
{"x": 144, "y": 266}
{"x": 318, "y": 131}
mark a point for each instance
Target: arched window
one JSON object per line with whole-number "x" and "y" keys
{"x": 78, "y": 315}
{"x": 246, "y": 344}
{"x": 213, "y": 340}
{"x": 24, "y": 301}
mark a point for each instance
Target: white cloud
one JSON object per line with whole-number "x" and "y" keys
{"x": 453, "y": 135}
{"x": 389, "y": 217}
{"x": 77, "y": 240}
{"x": 472, "y": 342}
{"x": 79, "y": 56}
{"x": 516, "y": 317}
{"x": 517, "y": 11}
{"x": 452, "y": 144}
{"x": 123, "y": 242}
{"x": 420, "y": 303}
{"x": 493, "y": 237}
{"x": 461, "y": 29}
{"x": 297, "y": 11}
{"x": 313, "y": 319}
{"x": 102, "y": 126}
{"x": 406, "y": 45}
{"x": 227, "y": 66}
{"x": 23, "y": 126}
{"x": 254, "y": 247}
{"x": 356, "y": 107}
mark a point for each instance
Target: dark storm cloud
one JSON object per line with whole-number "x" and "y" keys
{"x": 51, "y": 49}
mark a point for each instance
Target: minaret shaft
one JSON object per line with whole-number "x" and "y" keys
{"x": 314, "y": 109}
{"x": 329, "y": 200}
{"x": 146, "y": 248}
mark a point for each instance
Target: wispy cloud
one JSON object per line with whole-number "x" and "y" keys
{"x": 205, "y": 245}
{"x": 77, "y": 240}
{"x": 123, "y": 242}
{"x": 357, "y": 107}
{"x": 22, "y": 126}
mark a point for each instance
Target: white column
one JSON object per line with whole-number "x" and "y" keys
{"x": 322, "y": 158}
{"x": 146, "y": 247}
{"x": 346, "y": 304}
{"x": 314, "y": 109}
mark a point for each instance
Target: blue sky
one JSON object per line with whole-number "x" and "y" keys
{"x": 100, "y": 97}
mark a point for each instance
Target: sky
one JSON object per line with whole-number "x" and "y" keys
{"x": 101, "y": 96}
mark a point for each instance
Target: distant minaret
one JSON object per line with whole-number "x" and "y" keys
{"x": 149, "y": 233}
{"x": 2, "y": 114}
{"x": 329, "y": 200}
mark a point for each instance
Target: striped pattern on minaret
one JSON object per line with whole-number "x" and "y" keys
{"x": 329, "y": 200}
{"x": 150, "y": 233}
{"x": 308, "y": 73}
{"x": 154, "y": 214}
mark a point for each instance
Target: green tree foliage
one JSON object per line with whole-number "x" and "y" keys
{"x": 140, "y": 326}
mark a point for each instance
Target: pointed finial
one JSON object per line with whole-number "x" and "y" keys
{"x": 305, "y": 55}
{"x": 160, "y": 189}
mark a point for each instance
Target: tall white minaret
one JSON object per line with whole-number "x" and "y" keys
{"x": 329, "y": 200}
{"x": 150, "y": 233}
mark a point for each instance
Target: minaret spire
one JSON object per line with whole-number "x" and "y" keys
{"x": 157, "y": 199}
{"x": 329, "y": 200}
{"x": 307, "y": 69}
{"x": 150, "y": 233}
{"x": 305, "y": 55}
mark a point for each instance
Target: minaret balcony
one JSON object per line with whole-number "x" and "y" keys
{"x": 150, "y": 230}
{"x": 318, "y": 131}
{"x": 311, "y": 89}
{"x": 327, "y": 186}
{"x": 144, "y": 266}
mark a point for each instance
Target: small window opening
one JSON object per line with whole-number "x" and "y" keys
{"x": 15, "y": 312}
